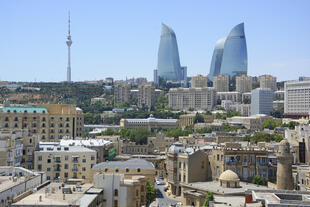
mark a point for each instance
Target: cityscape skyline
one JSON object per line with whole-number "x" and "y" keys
{"x": 41, "y": 49}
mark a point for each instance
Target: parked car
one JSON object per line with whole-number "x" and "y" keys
{"x": 160, "y": 182}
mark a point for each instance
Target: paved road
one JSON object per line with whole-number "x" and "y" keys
{"x": 162, "y": 200}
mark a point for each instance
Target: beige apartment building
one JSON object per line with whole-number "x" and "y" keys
{"x": 64, "y": 162}
{"x": 199, "y": 81}
{"x": 160, "y": 143}
{"x": 244, "y": 83}
{"x": 247, "y": 162}
{"x": 185, "y": 167}
{"x": 221, "y": 83}
{"x": 233, "y": 96}
{"x": 268, "y": 81}
{"x": 146, "y": 95}
{"x": 50, "y": 121}
{"x": 196, "y": 98}
{"x": 253, "y": 122}
{"x": 121, "y": 93}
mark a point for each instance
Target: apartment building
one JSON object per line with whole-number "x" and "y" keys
{"x": 243, "y": 83}
{"x": 196, "y": 98}
{"x": 120, "y": 191}
{"x": 146, "y": 95}
{"x": 244, "y": 109}
{"x": 261, "y": 101}
{"x": 134, "y": 148}
{"x": 234, "y": 96}
{"x": 268, "y": 81}
{"x": 221, "y": 83}
{"x": 189, "y": 119}
{"x": 185, "y": 166}
{"x": 297, "y": 98}
{"x": 160, "y": 143}
{"x": 199, "y": 81}
{"x": 64, "y": 162}
{"x": 253, "y": 122}
{"x": 247, "y": 162}
{"x": 50, "y": 121}
{"x": 121, "y": 93}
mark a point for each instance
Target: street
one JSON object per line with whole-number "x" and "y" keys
{"x": 162, "y": 200}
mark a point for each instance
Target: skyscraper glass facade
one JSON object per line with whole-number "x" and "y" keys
{"x": 230, "y": 54}
{"x": 168, "y": 64}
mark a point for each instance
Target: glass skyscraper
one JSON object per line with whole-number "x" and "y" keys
{"x": 230, "y": 54}
{"x": 168, "y": 65}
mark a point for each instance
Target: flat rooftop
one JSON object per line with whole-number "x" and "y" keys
{"x": 52, "y": 195}
{"x": 6, "y": 182}
{"x": 214, "y": 186}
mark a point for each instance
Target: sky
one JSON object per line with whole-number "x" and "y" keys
{"x": 121, "y": 38}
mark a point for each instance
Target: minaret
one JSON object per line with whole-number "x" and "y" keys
{"x": 69, "y": 43}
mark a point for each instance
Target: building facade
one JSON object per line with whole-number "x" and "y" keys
{"x": 297, "y": 98}
{"x": 197, "y": 98}
{"x": 244, "y": 83}
{"x": 199, "y": 81}
{"x": 268, "y": 81}
{"x": 261, "y": 101}
{"x": 121, "y": 93}
{"x": 150, "y": 123}
{"x": 64, "y": 162}
{"x": 232, "y": 95}
{"x": 146, "y": 96}
{"x": 221, "y": 83}
{"x": 50, "y": 121}
{"x": 11, "y": 148}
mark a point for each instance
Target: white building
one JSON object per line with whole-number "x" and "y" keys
{"x": 297, "y": 98}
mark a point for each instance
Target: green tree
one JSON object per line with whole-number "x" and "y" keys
{"x": 208, "y": 112}
{"x": 150, "y": 192}
{"x": 258, "y": 180}
{"x": 199, "y": 118}
{"x": 291, "y": 124}
{"x": 271, "y": 124}
{"x": 209, "y": 198}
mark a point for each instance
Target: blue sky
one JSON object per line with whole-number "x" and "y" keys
{"x": 121, "y": 38}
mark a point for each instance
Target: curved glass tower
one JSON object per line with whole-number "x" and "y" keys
{"x": 230, "y": 54}
{"x": 169, "y": 67}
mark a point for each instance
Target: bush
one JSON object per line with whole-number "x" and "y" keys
{"x": 150, "y": 192}
{"x": 209, "y": 198}
{"x": 258, "y": 180}
{"x": 271, "y": 124}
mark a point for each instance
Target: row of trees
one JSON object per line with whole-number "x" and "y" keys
{"x": 272, "y": 124}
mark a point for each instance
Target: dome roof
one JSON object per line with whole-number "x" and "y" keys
{"x": 229, "y": 175}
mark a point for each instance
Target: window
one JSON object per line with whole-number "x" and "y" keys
{"x": 6, "y": 125}
{"x": 16, "y": 119}
{"x": 39, "y": 167}
{"x": 48, "y": 169}
{"x": 6, "y": 119}
{"x": 83, "y": 168}
{"x": 116, "y": 170}
{"x": 127, "y": 170}
{"x": 83, "y": 177}
{"x": 180, "y": 164}
{"x": 65, "y": 174}
{"x": 43, "y": 119}
{"x": 137, "y": 192}
{"x": 16, "y": 125}
{"x": 66, "y": 166}
{"x": 115, "y": 203}
{"x": 48, "y": 160}
{"x": 66, "y": 157}
{"x": 40, "y": 158}
{"x": 138, "y": 170}
{"x": 43, "y": 125}
{"x": 84, "y": 160}
{"x": 92, "y": 158}
{"x": 106, "y": 170}
{"x": 115, "y": 192}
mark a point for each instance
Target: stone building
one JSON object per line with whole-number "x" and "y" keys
{"x": 196, "y": 98}
{"x": 189, "y": 119}
{"x": 221, "y": 83}
{"x": 234, "y": 96}
{"x": 185, "y": 166}
{"x": 11, "y": 148}
{"x": 121, "y": 191}
{"x": 244, "y": 109}
{"x": 252, "y": 122}
{"x": 64, "y": 162}
{"x": 50, "y": 121}
{"x": 134, "y": 148}
{"x": 246, "y": 162}
{"x": 160, "y": 143}
{"x": 121, "y": 93}
{"x": 130, "y": 168}
{"x": 284, "y": 168}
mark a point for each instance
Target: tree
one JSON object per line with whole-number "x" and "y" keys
{"x": 199, "y": 118}
{"x": 258, "y": 180}
{"x": 209, "y": 198}
{"x": 291, "y": 124}
{"x": 271, "y": 124}
{"x": 150, "y": 192}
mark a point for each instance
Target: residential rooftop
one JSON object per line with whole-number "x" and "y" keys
{"x": 130, "y": 164}
{"x": 55, "y": 147}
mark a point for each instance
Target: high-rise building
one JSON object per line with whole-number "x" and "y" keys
{"x": 199, "y": 81}
{"x": 268, "y": 81}
{"x": 69, "y": 43}
{"x": 155, "y": 74}
{"x": 197, "y": 98}
{"x": 230, "y": 54}
{"x": 146, "y": 95}
{"x": 261, "y": 101}
{"x": 243, "y": 83}
{"x": 50, "y": 121}
{"x": 297, "y": 98}
{"x": 168, "y": 65}
{"x": 121, "y": 93}
{"x": 221, "y": 83}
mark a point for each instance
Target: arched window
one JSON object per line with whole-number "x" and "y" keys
{"x": 115, "y": 192}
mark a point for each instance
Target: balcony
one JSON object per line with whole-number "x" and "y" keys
{"x": 75, "y": 169}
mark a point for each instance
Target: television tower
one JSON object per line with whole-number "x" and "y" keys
{"x": 69, "y": 43}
